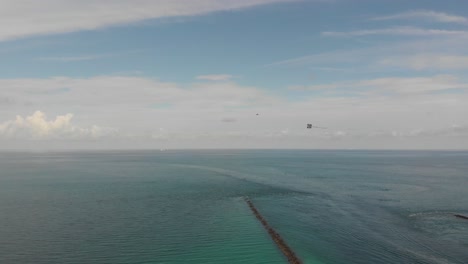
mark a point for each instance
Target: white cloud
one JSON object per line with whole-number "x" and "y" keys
{"x": 137, "y": 105}
{"x": 448, "y": 47}
{"x": 428, "y": 61}
{"x": 37, "y": 127}
{"x": 132, "y": 91}
{"x": 215, "y": 77}
{"x": 6, "y": 101}
{"x": 404, "y": 31}
{"x": 393, "y": 85}
{"x": 402, "y": 85}
{"x": 22, "y": 18}
{"x": 447, "y": 52}
{"x": 452, "y": 131}
{"x": 71, "y": 58}
{"x": 148, "y": 113}
{"x": 86, "y": 57}
{"x": 228, "y": 120}
{"x": 426, "y": 15}
{"x": 330, "y": 58}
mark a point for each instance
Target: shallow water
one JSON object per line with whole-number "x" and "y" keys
{"x": 187, "y": 206}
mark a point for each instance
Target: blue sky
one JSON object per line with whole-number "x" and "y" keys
{"x": 164, "y": 73}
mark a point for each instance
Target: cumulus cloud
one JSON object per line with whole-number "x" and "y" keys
{"x": 38, "y": 127}
{"x": 22, "y": 18}
{"x": 194, "y": 115}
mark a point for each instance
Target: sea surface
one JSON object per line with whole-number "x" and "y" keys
{"x": 179, "y": 206}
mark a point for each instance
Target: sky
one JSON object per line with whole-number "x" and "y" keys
{"x": 166, "y": 74}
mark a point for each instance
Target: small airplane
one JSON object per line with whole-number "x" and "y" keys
{"x": 309, "y": 126}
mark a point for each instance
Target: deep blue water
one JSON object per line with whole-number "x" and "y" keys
{"x": 187, "y": 206}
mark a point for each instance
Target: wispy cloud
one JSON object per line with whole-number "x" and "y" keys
{"x": 404, "y": 31}
{"x": 393, "y": 85}
{"x": 133, "y": 90}
{"x": 87, "y": 57}
{"x": 28, "y": 18}
{"x": 72, "y": 58}
{"x": 426, "y": 15}
{"x": 215, "y": 77}
{"x": 402, "y": 85}
{"x": 428, "y": 61}
{"x": 329, "y": 58}
{"x": 444, "y": 49}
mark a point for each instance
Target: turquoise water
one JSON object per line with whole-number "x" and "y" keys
{"x": 187, "y": 206}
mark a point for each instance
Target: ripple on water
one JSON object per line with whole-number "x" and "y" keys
{"x": 442, "y": 224}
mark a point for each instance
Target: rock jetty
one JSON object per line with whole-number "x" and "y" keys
{"x": 461, "y": 216}
{"x": 287, "y": 251}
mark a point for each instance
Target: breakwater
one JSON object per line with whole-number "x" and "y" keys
{"x": 287, "y": 251}
{"x": 461, "y": 216}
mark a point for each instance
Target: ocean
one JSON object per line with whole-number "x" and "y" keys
{"x": 187, "y": 206}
